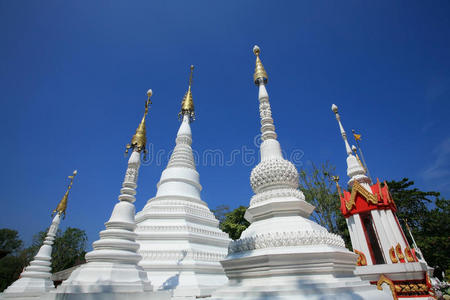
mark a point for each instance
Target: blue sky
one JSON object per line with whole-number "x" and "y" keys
{"x": 74, "y": 76}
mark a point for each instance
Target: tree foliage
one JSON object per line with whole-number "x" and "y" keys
{"x": 319, "y": 189}
{"x": 232, "y": 222}
{"x": 412, "y": 203}
{"x": 429, "y": 218}
{"x": 68, "y": 251}
{"x": 68, "y": 248}
{"x": 9, "y": 241}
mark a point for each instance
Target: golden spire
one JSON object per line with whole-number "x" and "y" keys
{"x": 187, "y": 105}
{"x": 62, "y": 205}
{"x": 260, "y": 72}
{"x": 139, "y": 139}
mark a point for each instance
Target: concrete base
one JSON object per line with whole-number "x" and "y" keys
{"x": 310, "y": 273}
{"x": 103, "y": 277}
{"x": 399, "y": 271}
{"x": 108, "y": 296}
{"x": 301, "y": 288}
{"x": 28, "y": 287}
{"x": 187, "y": 283}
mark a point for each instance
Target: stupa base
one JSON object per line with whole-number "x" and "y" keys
{"x": 188, "y": 284}
{"x": 304, "y": 272}
{"x": 298, "y": 288}
{"x": 28, "y": 288}
{"x": 103, "y": 277}
{"x": 409, "y": 280}
{"x": 159, "y": 295}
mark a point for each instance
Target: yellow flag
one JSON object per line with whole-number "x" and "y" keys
{"x": 357, "y": 136}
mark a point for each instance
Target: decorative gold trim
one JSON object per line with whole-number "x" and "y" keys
{"x": 336, "y": 179}
{"x": 260, "y": 72}
{"x": 388, "y": 193}
{"x": 392, "y": 255}
{"x": 398, "y": 249}
{"x": 139, "y": 139}
{"x": 187, "y": 104}
{"x": 62, "y": 205}
{"x": 361, "y": 261}
{"x": 384, "y": 279}
{"x": 358, "y": 188}
{"x": 408, "y": 254}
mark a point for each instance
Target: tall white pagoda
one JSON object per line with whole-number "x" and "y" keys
{"x": 384, "y": 254}
{"x": 283, "y": 254}
{"x": 111, "y": 270}
{"x": 35, "y": 279}
{"x": 180, "y": 242}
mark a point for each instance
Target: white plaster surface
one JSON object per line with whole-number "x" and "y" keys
{"x": 282, "y": 254}
{"x": 112, "y": 267}
{"x": 35, "y": 279}
{"x": 179, "y": 238}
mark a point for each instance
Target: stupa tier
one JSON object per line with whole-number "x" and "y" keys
{"x": 283, "y": 254}
{"x": 111, "y": 270}
{"x": 384, "y": 254}
{"x": 35, "y": 281}
{"x": 180, "y": 242}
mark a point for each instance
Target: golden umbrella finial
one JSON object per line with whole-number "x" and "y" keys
{"x": 139, "y": 139}
{"x": 260, "y": 72}
{"x": 187, "y": 104}
{"x": 62, "y": 205}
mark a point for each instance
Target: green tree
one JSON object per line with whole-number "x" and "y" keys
{"x": 68, "y": 248}
{"x": 10, "y": 268}
{"x": 319, "y": 189}
{"x": 412, "y": 203}
{"x": 9, "y": 241}
{"x": 234, "y": 222}
{"x": 429, "y": 218}
{"x": 68, "y": 251}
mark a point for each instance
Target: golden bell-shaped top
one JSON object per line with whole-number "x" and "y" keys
{"x": 260, "y": 72}
{"x": 62, "y": 205}
{"x": 187, "y": 104}
{"x": 139, "y": 139}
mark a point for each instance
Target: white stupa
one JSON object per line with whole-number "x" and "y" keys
{"x": 283, "y": 254}
{"x": 35, "y": 279}
{"x": 180, "y": 242}
{"x": 111, "y": 270}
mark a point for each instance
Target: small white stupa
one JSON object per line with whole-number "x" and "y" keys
{"x": 180, "y": 242}
{"x": 111, "y": 270}
{"x": 385, "y": 256}
{"x": 283, "y": 254}
{"x": 35, "y": 279}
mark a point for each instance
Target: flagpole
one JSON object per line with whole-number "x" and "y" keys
{"x": 362, "y": 155}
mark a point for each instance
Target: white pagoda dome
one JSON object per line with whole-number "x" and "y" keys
{"x": 283, "y": 254}
{"x": 180, "y": 242}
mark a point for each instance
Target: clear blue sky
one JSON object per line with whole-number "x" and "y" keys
{"x": 73, "y": 78}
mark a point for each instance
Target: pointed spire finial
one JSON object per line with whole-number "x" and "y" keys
{"x": 62, "y": 205}
{"x": 336, "y": 180}
{"x": 187, "y": 104}
{"x": 334, "y": 108}
{"x": 139, "y": 139}
{"x": 260, "y": 72}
